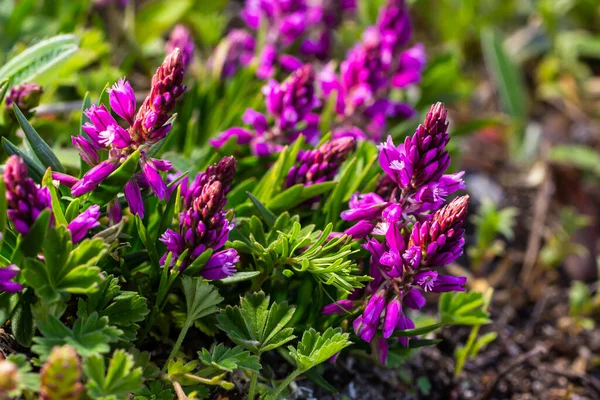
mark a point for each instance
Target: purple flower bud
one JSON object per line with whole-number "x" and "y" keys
{"x": 442, "y": 236}
{"x": 25, "y": 199}
{"x": 244, "y": 136}
{"x": 320, "y": 164}
{"x": 393, "y": 312}
{"x": 339, "y": 307}
{"x": 86, "y": 150}
{"x": 364, "y": 330}
{"x": 410, "y": 66}
{"x": 240, "y": 51}
{"x": 414, "y": 299}
{"x": 122, "y": 100}
{"x": 134, "y": 198}
{"x": 448, "y": 283}
{"x": 374, "y": 308}
{"x": 85, "y": 221}
{"x": 256, "y": 119}
{"x": 220, "y": 265}
{"x": 26, "y": 96}
{"x": 93, "y": 178}
{"x": 7, "y": 275}
{"x": 382, "y": 350}
{"x": 361, "y": 229}
{"x": 155, "y": 181}
{"x": 156, "y": 110}
{"x": 182, "y": 39}
{"x": 64, "y": 179}
{"x": 404, "y": 323}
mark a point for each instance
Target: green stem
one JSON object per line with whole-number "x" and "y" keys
{"x": 178, "y": 343}
{"x": 252, "y": 391}
{"x": 286, "y": 383}
{"x": 460, "y": 363}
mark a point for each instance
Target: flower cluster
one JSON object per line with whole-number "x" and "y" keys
{"x": 310, "y": 24}
{"x": 105, "y": 136}
{"x": 414, "y": 182}
{"x": 372, "y": 68}
{"x": 414, "y": 243}
{"x": 181, "y": 38}
{"x": 234, "y": 52}
{"x": 26, "y": 96}
{"x": 26, "y": 200}
{"x": 320, "y": 164}
{"x": 289, "y": 104}
{"x": 202, "y": 224}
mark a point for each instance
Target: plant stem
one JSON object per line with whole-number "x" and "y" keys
{"x": 178, "y": 343}
{"x": 252, "y": 391}
{"x": 286, "y": 383}
{"x": 179, "y": 391}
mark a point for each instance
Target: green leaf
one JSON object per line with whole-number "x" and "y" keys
{"x": 90, "y": 335}
{"x": 118, "y": 382}
{"x": 28, "y": 380}
{"x": 65, "y": 270}
{"x": 39, "y": 58}
{"x": 59, "y": 216}
{"x": 34, "y": 169}
{"x": 201, "y": 298}
{"x": 227, "y": 359}
{"x": 418, "y": 331}
{"x": 40, "y": 148}
{"x": 315, "y": 348}
{"x": 116, "y": 181}
{"x": 267, "y": 215}
{"x": 256, "y": 326}
{"x": 21, "y": 324}
{"x": 240, "y": 277}
{"x": 123, "y": 308}
{"x": 462, "y": 308}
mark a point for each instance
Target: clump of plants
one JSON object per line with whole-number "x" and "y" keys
{"x": 291, "y": 240}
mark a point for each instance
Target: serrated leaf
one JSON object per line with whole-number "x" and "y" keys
{"x": 256, "y": 326}
{"x": 118, "y": 382}
{"x": 228, "y": 359}
{"x": 315, "y": 348}
{"x": 201, "y": 298}
{"x": 40, "y": 148}
{"x": 90, "y": 335}
{"x": 65, "y": 270}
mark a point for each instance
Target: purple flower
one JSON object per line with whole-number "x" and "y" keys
{"x": 26, "y": 96}
{"x": 202, "y": 224}
{"x": 239, "y": 47}
{"x": 85, "y": 221}
{"x": 93, "y": 178}
{"x": 105, "y": 139}
{"x": 220, "y": 265}
{"x": 321, "y": 164}
{"x": 289, "y": 104}
{"x": 25, "y": 199}
{"x": 393, "y": 312}
{"x": 7, "y": 274}
{"x": 382, "y": 350}
{"x": 181, "y": 38}
{"x": 339, "y": 307}
{"x": 122, "y": 100}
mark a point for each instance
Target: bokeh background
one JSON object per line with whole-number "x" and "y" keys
{"x": 521, "y": 80}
